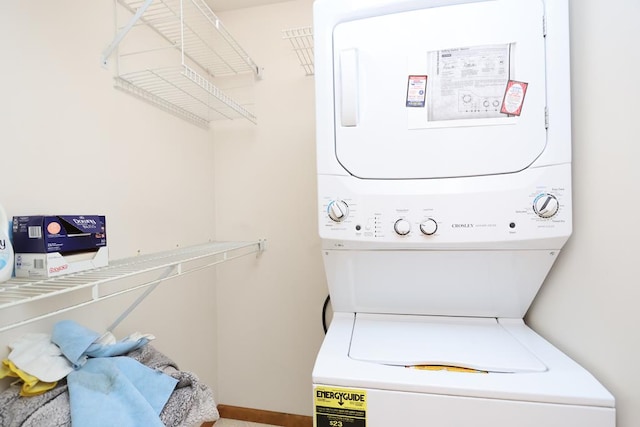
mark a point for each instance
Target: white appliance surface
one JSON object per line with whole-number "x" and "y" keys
{"x": 444, "y": 198}
{"x": 563, "y": 384}
{"x": 406, "y": 409}
{"x": 486, "y": 43}
{"x": 461, "y": 342}
{"x": 484, "y": 283}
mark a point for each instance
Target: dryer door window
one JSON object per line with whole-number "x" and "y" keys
{"x": 441, "y": 92}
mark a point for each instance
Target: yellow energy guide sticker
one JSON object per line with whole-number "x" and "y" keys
{"x": 340, "y": 407}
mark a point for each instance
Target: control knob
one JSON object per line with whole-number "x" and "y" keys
{"x": 402, "y": 227}
{"x": 338, "y": 210}
{"x": 429, "y": 226}
{"x": 546, "y": 205}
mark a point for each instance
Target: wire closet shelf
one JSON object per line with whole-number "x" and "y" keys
{"x": 175, "y": 51}
{"x": 140, "y": 272}
{"x": 301, "y": 40}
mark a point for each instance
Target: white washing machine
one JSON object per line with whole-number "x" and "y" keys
{"x": 444, "y": 184}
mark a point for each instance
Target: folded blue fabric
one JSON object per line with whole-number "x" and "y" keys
{"x": 77, "y": 343}
{"x": 107, "y": 390}
{"x": 118, "y": 391}
{"x": 73, "y": 340}
{"x": 116, "y": 349}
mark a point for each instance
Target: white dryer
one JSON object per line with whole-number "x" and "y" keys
{"x": 444, "y": 186}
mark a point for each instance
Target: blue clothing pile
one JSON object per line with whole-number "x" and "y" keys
{"x": 106, "y": 388}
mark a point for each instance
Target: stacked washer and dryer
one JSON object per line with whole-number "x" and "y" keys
{"x": 444, "y": 188}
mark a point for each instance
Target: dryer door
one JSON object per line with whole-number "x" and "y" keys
{"x": 441, "y": 92}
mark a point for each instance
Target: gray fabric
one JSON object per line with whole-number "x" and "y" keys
{"x": 54, "y": 414}
{"x": 16, "y": 411}
{"x": 191, "y": 403}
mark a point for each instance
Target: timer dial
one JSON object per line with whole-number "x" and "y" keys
{"x": 402, "y": 227}
{"x": 338, "y": 210}
{"x": 546, "y": 205}
{"x": 429, "y": 226}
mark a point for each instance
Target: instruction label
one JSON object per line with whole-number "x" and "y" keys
{"x": 468, "y": 82}
{"x": 416, "y": 91}
{"x": 514, "y": 97}
{"x": 340, "y": 407}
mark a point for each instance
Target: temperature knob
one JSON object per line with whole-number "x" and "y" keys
{"x": 402, "y": 227}
{"x": 338, "y": 210}
{"x": 546, "y": 205}
{"x": 429, "y": 226}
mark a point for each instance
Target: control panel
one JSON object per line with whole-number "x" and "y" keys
{"x": 536, "y": 211}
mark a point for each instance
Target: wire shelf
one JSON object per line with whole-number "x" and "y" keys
{"x": 184, "y": 92}
{"x": 301, "y": 40}
{"x": 168, "y": 264}
{"x": 179, "y": 47}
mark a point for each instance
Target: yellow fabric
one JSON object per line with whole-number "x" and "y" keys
{"x": 446, "y": 368}
{"x": 31, "y": 386}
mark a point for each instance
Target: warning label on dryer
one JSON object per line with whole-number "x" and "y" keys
{"x": 340, "y": 407}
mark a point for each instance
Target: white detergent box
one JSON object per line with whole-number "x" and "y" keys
{"x": 50, "y": 246}
{"x": 53, "y": 264}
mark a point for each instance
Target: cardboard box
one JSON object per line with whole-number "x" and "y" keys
{"x": 49, "y": 246}
{"x": 53, "y": 264}
{"x": 62, "y": 233}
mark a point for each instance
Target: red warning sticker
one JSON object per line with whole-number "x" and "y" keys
{"x": 514, "y": 98}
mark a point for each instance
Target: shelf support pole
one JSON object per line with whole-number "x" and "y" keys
{"x": 142, "y": 297}
{"x": 104, "y": 59}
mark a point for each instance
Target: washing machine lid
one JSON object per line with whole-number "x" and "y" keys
{"x": 449, "y": 91}
{"x": 474, "y": 343}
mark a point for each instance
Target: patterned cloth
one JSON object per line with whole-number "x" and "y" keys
{"x": 191, "y": 403}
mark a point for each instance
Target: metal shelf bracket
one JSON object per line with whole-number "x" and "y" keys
{"x": 177, "y": 49}
{"x": 104, "y": 59}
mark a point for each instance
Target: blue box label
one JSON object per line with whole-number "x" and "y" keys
{"x": 63, "y": 233}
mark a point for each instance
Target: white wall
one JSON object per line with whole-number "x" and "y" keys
{"x": 269, "y": 318}
{"x": 72, "y": 144}
{"x": 63, "y": 127}
{"x": 588, "y": 304}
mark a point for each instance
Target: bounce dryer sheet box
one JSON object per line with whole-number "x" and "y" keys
{"x": 49, "y": 246}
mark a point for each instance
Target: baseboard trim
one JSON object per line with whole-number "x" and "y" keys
{"x": 262, "y": 416}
